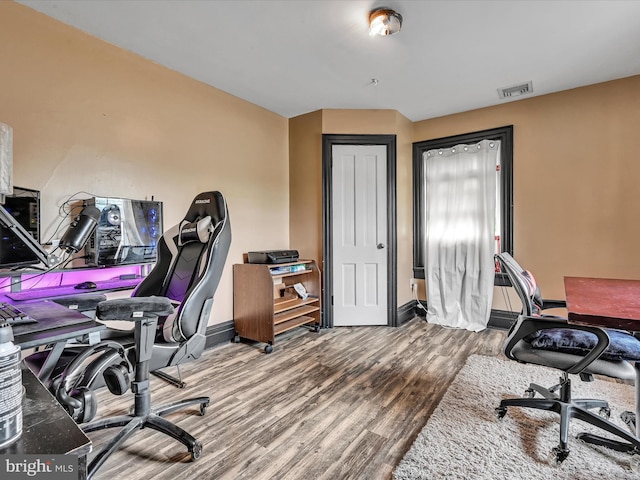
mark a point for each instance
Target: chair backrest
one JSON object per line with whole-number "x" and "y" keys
{"x": 191, "y": 258}
{"x": 523, "y": 283}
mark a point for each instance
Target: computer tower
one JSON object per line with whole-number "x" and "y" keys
{"x": 127, "y": 232}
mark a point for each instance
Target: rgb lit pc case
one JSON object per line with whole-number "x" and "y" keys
{"x": 127, "y": 232}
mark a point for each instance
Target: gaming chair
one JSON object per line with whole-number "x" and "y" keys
{"x": 176, "y": 298}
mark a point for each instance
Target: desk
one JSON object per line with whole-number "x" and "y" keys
{"x": 47, "y": 429}
{"x": 606, "y": 303}
{"x": 55, "y": 325}
{"x": 70, "y": 290}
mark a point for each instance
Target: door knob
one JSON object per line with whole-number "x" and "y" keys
{"x": 380, "y": 246}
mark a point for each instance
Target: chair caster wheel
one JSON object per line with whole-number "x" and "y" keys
{"x": 629, "y": 418}
{"x": 557, "y": 455}
{"x": 529, "y": 393}
{"x": 196, "y": 452}
{"x": 203, "y": 409}
{"x": 268, "y": 349}
{"x": 605, "y": 412}
{"x": 501, "y": 412}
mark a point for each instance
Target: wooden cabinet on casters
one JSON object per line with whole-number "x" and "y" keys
{"x": 266, "y": 304}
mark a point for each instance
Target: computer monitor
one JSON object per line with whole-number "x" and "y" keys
{"x": 18, "y": 248}
{"x": 24, "y": 206}
{"x": 13, "y": 251}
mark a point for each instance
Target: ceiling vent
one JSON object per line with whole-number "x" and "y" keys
{"x": 516, "y": 90}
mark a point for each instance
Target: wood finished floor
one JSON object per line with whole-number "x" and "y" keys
{"x": 344, "y": 403}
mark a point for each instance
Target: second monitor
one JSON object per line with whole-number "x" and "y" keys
{"x": 127, "y": 232}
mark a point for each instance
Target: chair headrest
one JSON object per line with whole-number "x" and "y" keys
{"x": 198, "y": 231}
{"x": 205, "y": 204}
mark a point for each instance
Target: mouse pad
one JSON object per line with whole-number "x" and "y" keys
{"x": 48, "y": 315}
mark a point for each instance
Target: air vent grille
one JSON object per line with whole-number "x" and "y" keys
{"x": 516, "y": 90}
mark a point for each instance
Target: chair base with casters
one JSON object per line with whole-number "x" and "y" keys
{"x": 145, "y": 314}
{"x": 568, "y": 408}
{"x": 534, "y": 339}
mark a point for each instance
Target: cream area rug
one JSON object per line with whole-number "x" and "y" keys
{"x": 464, "y": 439}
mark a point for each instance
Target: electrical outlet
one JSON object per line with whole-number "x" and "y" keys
{"x": 412, "y": 283}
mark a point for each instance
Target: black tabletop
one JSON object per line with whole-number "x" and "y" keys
{"x": 46, "y": 426}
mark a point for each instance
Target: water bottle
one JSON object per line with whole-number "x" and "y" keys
{"x": 10, "y": 388}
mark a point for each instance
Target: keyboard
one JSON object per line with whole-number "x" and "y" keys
{"x": 13, "y": 315}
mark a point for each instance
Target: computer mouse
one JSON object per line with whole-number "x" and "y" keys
{"x": 86, "y": 286}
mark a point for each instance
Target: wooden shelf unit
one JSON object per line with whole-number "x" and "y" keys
{"x": 265, "y": 303}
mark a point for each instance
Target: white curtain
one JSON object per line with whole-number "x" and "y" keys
{"x": 460, "y": 216}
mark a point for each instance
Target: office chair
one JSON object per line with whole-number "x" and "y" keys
{"x": 550, "y": 341}
{"x": 171, "y": 308}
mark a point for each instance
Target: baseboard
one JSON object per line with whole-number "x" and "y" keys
{"x": 224, "y": 332}
{"x": 421, "y": 311}
{"x": 405, "y": 313}
{"x": 499, "y": 319}
{"x": 219, "y": 333}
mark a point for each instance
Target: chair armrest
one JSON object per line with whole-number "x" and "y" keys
{"x": 547, "y": 304}
{"x": 525, "y": 326}
{"x": 134, "y": 308}
{"x": 81, "y": 301}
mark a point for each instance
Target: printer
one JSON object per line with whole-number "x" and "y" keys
{"x": 273, "y": 256}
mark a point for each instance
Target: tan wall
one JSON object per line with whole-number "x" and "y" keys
{"x": 305, "y": 185}
{"x": 90, "y": 117}
{"x": 306, "y": 177}
{"x": 359, "y": 122}
{"x": 404, "y": 214}
{"x": 576, "y": 171}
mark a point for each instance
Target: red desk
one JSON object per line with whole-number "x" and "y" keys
{"x": 604, "y": 302}
{"x": 609, "y": 303}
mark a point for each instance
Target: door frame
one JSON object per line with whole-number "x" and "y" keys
{"x": 328, "y": 141}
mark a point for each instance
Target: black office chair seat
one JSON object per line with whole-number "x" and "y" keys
{"x": 562, "y": 348}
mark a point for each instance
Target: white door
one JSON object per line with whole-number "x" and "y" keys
{"x": 359, "y": 223}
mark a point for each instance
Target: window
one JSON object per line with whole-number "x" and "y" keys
{"x": 504, "y": 205}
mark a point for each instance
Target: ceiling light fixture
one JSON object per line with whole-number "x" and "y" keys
{"x": 384, "y": 21}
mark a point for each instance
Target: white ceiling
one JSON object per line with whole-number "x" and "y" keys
{"x": 297, "y": 56}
